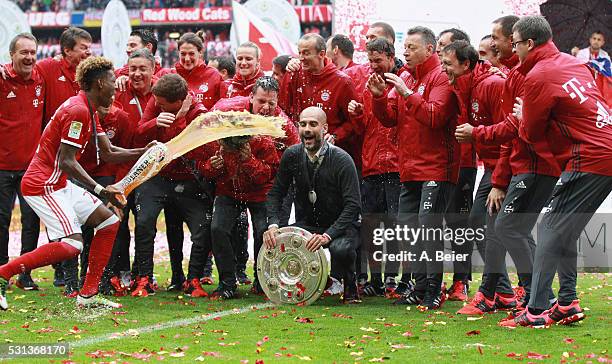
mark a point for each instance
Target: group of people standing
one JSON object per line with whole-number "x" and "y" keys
{"x": 393, "y": 137}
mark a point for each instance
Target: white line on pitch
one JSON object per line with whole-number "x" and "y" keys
{"x": 163, "y": 326}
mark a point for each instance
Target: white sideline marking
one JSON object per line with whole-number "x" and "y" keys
{"x": 163, "y": 326}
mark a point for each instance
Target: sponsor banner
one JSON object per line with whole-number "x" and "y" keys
{"x": 315, "y": 14}
{"x": 93, "y": 19}
{"x": 49, "y": 19}
{"x": 222, "y": 15}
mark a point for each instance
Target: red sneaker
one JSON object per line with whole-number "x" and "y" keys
{"x": 458, "y": 291}
{"x": 479, "y": 305}
{"x": 118, "y": 286}
{"x": 565, "y": 315}
{"x": 505, "y": 302}
{"x": 193, "y": 288}
{"x": 519, "y": 293}
{"x": 143, "y": 288}
{"x": 526, "y": 319}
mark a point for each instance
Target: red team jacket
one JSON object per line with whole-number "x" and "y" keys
{"x": 205, "y": 82}
{"x": 148, "y": 131}
{"x": 379, "y": 154}
{"x": 247, "y": 181}
{"x": 560, "y": 90}
{"x": 331, "y": 90}
{"x": 239, "y": 86}
{"x": 117, "y": 126}
{"x": 70, "y": 125}
{"x": 241, "y": 103}
{"x": 479, "y": 93}
{"x": 426, "y": 121}
{"x": 523, "y": 157}
{"x": 60, "y": 80}
{"x": 21, "y": 118}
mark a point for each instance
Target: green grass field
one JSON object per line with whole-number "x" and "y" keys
{"x": 172, "y": 328}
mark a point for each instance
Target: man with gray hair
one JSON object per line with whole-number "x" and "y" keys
{"x": 559, "y": 90}
{"x": 424, "y": 108}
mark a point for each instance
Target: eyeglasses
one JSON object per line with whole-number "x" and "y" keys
{"x": 514, "y": 44}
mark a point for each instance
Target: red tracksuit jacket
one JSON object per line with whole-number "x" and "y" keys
{"x": 239, "y": 86}
{"x": 379, "y": 152}
{"x": 248, "y": 180}
{"x": 205, "y": 82}
{"x": 524, "y": 158}
{"x": 331, "y": 90}
{"x": 148, "y": 131}
{"x": 426, "y": 121}
{"x": 21, "y": 118}
{"x": 60, "y": 80}
{"x": 479, "y": 92}
{"x": 561, "y": 91}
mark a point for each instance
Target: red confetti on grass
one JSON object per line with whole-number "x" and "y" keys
{"x": 473, "y": 332}
{"x": 480, "y": 350}
{"x": 407, "y": 334}
{"x": 339, "y": 315}
{"x": 568, "y": 340}
{"x": 304, "y": 320}
{"x": 211, "y": 353}
{"x": 537, "y": 356}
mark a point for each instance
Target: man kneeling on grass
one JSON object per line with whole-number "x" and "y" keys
{"x": 327, "y": 201}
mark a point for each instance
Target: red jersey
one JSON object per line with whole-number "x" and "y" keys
{"x": 561, "y": 91}
{"x": 21, "y": 117}
{"x": 239, "y": 86}
{"x": 205, "y": 82}
{"x": 60, "y": 80}
{"x": 72, "y": 124}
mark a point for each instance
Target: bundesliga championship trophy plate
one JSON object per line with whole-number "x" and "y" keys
{"x": 290, "y": 273}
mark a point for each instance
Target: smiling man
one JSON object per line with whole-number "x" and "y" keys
{"x": 21, "y": 114}
{"x": 327, "y": 198}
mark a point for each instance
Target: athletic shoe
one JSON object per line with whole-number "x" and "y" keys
{"x": 565, "y": 315}
{"x": 390, "y": 286}
{"x": 25, "y": 282}
{"x": 519, "y": 293}
{"x": 71, "y": 290}
{"x": 412, "y": 298}
{"x": 243, "y": 278}
{"x": 434, "y": 298}
{"x": 143, "y": 288}
{"x": 376, "y": 289}
{"x": 504, "y": 303}
{"x": 3, "y": 286}
{"x": 541, "y": 321}
{"x": 96, "y": 301}
{"x": 176, "y": 283}
{"x": 193, "y": 288}
{"x": 224, "y": 292}
{"x": 403, "y": 288}
{"x": 458, "y": 291}
{"x": 207, "y": 280}
{"x": 334, "y": 287}
{"x": 58, "y": 276}
{"x": 350, "y": 294}
{"x": 479, "y": 305}
{"x": 118, "y": 286}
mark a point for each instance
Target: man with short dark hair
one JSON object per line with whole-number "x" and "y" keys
{"x": 327, "y": 199}
{"x": 62, "y": 206}
{"x": 423, "y": 107}
{"x": 225, "y": 65}
{"x": 487, "y": 53}
{"x": 279, "y": 66}
{"x": 595, "y": 48}
{"x": 139, "y": 39}
{"x": 168, "y": 112}
{"x": 558, "y": 90}
{"x": 340, "y": 50}
{"x": 21, "y": 113}
{"x": 448, "y": 36}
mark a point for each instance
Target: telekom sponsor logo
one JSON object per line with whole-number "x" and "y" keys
{"x": 187, "y": 15}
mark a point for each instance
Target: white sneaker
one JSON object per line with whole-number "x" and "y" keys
{"x": 336, "y": 288}
{"x": 3, "y": 287}
{"x": 96, "y": 301}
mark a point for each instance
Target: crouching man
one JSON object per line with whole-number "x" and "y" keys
{"x": 327, "y": 200}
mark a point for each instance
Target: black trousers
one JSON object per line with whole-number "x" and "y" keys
{"x": 10, "y": 187}
{"x": 226, "y": 213}
{"x": 422, "y": 205}
{"x": 527, "y": 195}
{"x": 457, "y": 217}
{"x": 380, "y": 196}
{"x": 574, "y": 201}
{"x": 186, "y": 199}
